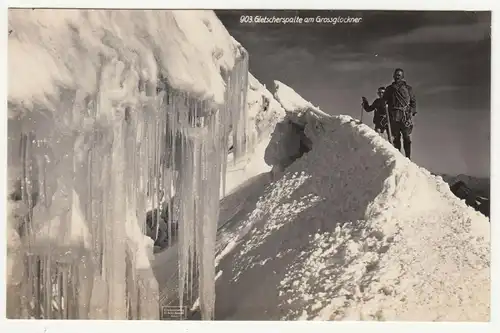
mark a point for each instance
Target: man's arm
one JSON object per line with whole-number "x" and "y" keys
{"x": 413, "y": 101}
{"x": 367, "y": 107}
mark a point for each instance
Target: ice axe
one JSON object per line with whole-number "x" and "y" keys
{"x": 389, "y": 131}
{"x": 361, "y": 119}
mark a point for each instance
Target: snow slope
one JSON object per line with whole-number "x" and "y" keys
{"x": 353, "y": 231}
{"x": 94, "y": 97}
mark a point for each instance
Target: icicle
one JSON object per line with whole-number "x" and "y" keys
{"x": 244, "y": 102}
{"x": 171, "y": 144}
{"x": 222, "y": 136}
{"x": 239, "y": 105}
{"x": 184, "y": 223}
{"x": 48, "y": 288}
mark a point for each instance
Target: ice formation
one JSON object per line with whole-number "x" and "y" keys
{"x": 263, "y": 112}
{"x": 109, "y": 110}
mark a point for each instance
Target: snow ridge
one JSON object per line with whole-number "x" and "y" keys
{"x": 417, "y": 254}
{"x": 378, "y": 238}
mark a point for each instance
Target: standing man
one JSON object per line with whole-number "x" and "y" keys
{"x": 402, "y": 106}
{"x": 379, "y": 116}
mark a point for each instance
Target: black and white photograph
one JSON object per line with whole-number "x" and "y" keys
{"x": 248, "y": 165}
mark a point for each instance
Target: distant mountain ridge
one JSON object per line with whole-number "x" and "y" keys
{"x": 480, "y": 185}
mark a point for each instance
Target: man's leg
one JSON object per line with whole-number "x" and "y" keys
{"x": 396, "y": 135}
{"x": 407, "y": 140}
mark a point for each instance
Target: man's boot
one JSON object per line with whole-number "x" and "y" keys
{"x": 396, "y": 141}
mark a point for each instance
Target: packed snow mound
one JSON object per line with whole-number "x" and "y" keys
{"x": 353, "y": 230}
{"x": 289, "y": 140}
{"x": 289, "y": 99}
{"x": 294, "y": 104}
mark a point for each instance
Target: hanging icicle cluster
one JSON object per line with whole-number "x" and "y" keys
{"x": 105, "y": 161}
{"x": 85, "y": 253}
{"x": 201, "y": 134}
{"x": 236, "y": 109}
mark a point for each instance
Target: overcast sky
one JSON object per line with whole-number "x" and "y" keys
{"x": 446, "y": 57}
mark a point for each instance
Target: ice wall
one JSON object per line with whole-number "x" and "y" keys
{"x": 105, "y": 108}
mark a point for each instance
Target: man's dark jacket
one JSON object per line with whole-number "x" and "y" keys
{"x": 379, "y": 106}
{"x": 400, "y": 101}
